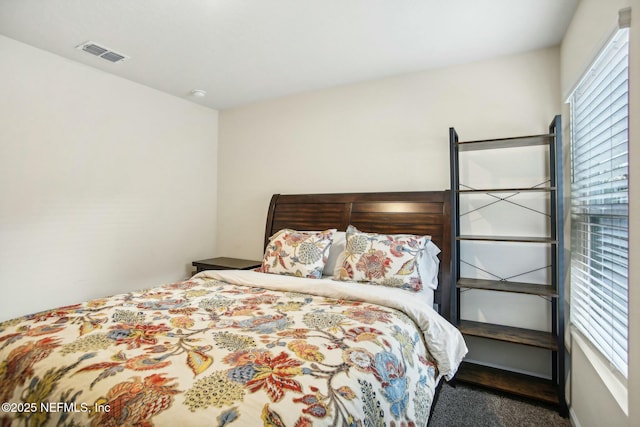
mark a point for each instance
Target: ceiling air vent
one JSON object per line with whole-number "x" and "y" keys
{"x": 102, "y": 52}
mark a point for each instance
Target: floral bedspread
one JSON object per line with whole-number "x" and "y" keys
{"x": 209, "y": 352}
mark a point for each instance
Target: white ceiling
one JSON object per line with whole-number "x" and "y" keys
{"x": 242, "y": 51}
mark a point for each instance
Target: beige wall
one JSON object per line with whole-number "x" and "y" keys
{"x": 593, "y": 403}
{"x": 384, "y": 135}
{"x": 105, "y": 185}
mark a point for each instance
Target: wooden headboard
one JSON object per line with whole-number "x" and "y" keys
{"x": 420, "y": 212}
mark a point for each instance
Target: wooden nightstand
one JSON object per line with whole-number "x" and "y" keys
{"x": 223, "y": 263}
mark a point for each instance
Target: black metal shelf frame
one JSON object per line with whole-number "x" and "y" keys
{"x": 554, "y": 291}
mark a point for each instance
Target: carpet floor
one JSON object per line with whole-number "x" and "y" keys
{"x": 464, "y": 405}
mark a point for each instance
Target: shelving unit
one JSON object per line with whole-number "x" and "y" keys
{"x": 508, "y": 380}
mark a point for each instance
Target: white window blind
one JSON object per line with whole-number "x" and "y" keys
{"x": 599, "y": 202}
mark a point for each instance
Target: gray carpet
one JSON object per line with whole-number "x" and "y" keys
{"x": 476, "y": 407}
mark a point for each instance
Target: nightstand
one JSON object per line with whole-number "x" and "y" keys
{"x": 223, "y": 263}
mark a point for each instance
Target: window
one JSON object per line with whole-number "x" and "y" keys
{"x": 599, "y": 202}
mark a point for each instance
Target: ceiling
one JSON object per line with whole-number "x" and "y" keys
{"x": 243, "y": 51}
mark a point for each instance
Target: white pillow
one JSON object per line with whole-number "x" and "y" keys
{"x": 429, "y": 265}
{"x": 335, "y": 252}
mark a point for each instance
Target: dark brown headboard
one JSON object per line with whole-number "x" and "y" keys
{"x": 420, "y": 212}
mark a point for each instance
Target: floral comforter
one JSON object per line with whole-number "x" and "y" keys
{"x": 228, "y": 348}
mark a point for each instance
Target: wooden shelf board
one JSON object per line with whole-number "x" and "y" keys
{"x": 525, "y": 239}
{"x": 507, "y": 190}
{"x": 520, "y": 141}
{"x": 506, "y": 286}
{"x": 509, "y": 334}
{"x": 510, "y": 382}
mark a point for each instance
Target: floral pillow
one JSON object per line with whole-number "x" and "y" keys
{"x": 387, "y": 260}
{"x": 297, "y": 253}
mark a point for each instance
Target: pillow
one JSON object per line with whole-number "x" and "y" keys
{"x": 335, "y": 251}
{"x": 387, "y": 260}
{"x": 429, "y": 265}
{"x": 297, "y": 253}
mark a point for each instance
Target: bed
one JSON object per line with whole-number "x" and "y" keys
{"x": 300, "y": 342}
